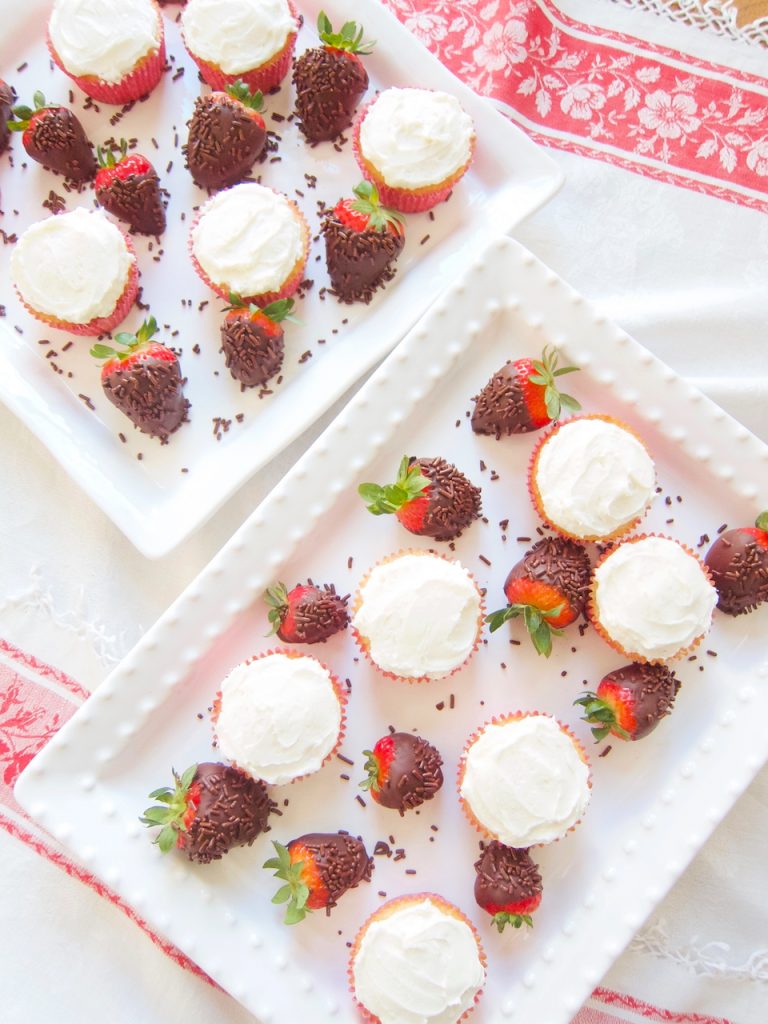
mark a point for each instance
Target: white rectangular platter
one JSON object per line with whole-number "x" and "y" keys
{"x": 654, "y": 802}
{"x": 158, "y": 494}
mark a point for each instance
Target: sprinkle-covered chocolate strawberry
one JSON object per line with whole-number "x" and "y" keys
{"x": 362, "y": 241}
{"x": 210, "y": 809}
{"x": 548, "y": 588}
{"x": 307, "y": 614}
{"x": 127, "y": 186}
{"x": 252, "y": 340}
{"x": 523, "y": 396}
{"x": 403, "y": 771}
{"x": 54, "y": 137}
{"x": 6, "y": 103}
{"x": 630, "y": 701}
{"x": 738, "y": 562}
{"x": 430, "y": 497}
{"x": 143, "y": 379}
{"x": 330, "y": 79}
{"x": 508, "y": 885}
{"x": 226, "y": 136}
{"x": 317, "y": 869}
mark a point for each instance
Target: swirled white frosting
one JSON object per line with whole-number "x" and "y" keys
{"x": 653, "y": 598}
{"x": 105, "y": 38}
{"x": 525, "y": 781}
{"x": 419, "y": 614}
{"x": 236, "y": 35}
{"x": 416, "y": 137}
{"x": 279, "y": 718}
{"x": 73, "y": 266}
{"x": 594, "y": 477}
{"x": 249, "y": 239}
{"x": 419, "y": 965}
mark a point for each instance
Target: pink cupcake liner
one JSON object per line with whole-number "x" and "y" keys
{"x": 391, "y": 907}
{"x": 364, "y": 645}
{"x": 338, "y": 689}
{"x": 594, "y": 615}
{"x": 535, "y": 494}
{"x": 512, "y": 716}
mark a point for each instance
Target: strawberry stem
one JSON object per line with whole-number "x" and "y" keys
{"x": 295, "y": 892}
{"x": 546, "y": 372}
{"x": 368, "y": 203}
{"x": 276, "y": 598}
{"x": 539, "y": 629}
{"x": 410, "y": 484}
{"x": 601, "y": 715}
{"x": 504, "y": 918}
{"x": 349, "y": 39}
{"x": 239, "y": 91}
{"x": 170, "y": 810}
{"x": 371, "y": 766}
{"x": 762, "y": 521}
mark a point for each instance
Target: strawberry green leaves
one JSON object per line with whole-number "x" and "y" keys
{"x": 410, "y": 484}
{"x": 762, "y": 521}
{"x": 350, "y": 38}
{"x": 369, "y": 205}
{"x": 294, "y": 892}
{"x": 278, "y": 311}
{"x": 239, "y": 91}
{"x": 371, "y": 768}
{"x": 170, "y": 810}
{"x": 128, "y": 342}
{"x": 546, "y": 372}
{"x": 536, "y": 622}
{"x": 106, "y": 154}
{"x": 504, "y": 918}
{"x": 23, "y": 114}
{"x": 601, "y": 716}
{"x": 276, "y": 598}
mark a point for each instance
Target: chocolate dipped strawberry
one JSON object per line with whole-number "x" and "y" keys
{"x": 210, "y": 809}
{"x": 252, "y": 340}
{"x": 362, "y": 241}
{"x": 307, "y": 614}
{"x": 403, "y": 771}
{"x": 508, "y": 885}
{"x": 548, "y": 588}
{"x": 738, "y": 564}
{"x": 54, "y": 137}
{"x": 128, "y": 187}
{"x": 630, "y": 701}
{"x": 430, "y": 497}
{"x": 317, "y": 869}
{"x": 227, "y": 135}
{"x": 143, "y": 379}
{"x": 523, "y": 396}
{"x": 330, "y": 80}
{"x": 6, "y": 103}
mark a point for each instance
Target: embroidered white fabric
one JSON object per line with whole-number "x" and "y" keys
{"x": 719, "y": 16}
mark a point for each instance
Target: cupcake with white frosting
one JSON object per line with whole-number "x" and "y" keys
{"x": 279, "y": 716}
{"x": 417, "y": 960}
{"x": 652, "y": 599}
{"x": 113, "y": 50}
{"x": 591, "y": 478}
{"x": 524, "y": 779}
{"x": 250, "y": 241}
{"x": 418, "y": 616}
{"x": 248, "y": 39}
{"x": 414, "y": 145}
{"x": 76, "y": 271}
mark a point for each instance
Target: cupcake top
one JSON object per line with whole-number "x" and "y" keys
{"x": 652, "y": 597}
{"x": 416, "y": 137}
{"x": 236, "y": 35}
{"x": 279, "y": 717}
{"x": 593, "y": 476}
{"x": 419, "y": 613}
{"x": 104, "y": 38}
{"x": 248, "y": 238}
{"x": 73, "y": 266}
{"x": 418, "y": 964}
{"x": 525, "y": 781}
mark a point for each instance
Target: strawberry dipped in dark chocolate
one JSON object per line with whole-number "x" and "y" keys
{"x": 316, "y": 870}
{"x": 630, "y": 701}
{"x": 6, "y": 103}
{"x": 307, "y": 614}
{"x": 403, "y": 771}
{"x": 330, "y": 80}
{"x": 253, "y": 340}
{"x": 738, "y": 564}
{"x": 508, "y": 885}
{"x": 548, "y": 588}
{"x": 53, "y": 136}
{"x": 430, "y": 498}
{"x": 210, "y": 809}
{"x": 127, "y": 186}
{"x": 227, "y": 135}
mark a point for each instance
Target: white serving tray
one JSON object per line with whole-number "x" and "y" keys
{"x": 152, "y": 501}
{"x": 654, "y": 802}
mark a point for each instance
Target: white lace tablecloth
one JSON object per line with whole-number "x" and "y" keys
{"x": 678, "y": 260}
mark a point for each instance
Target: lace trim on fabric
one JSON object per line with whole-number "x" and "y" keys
{"x": 718, "y": 16}
{"x": 709, "y": 960}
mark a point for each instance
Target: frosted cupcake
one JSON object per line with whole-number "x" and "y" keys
{"x": 418, "y": 616}
{"x": 279, "y": 716}
{"x": 591, "y": 478}
{"x": 76, "y": 271}
{"x": 113, "y": 50}
{"x": 248, "y": 39}
{"x": 524, "y": 780}
{"x": 652, "y": 599}
{"x": 414, "y": 145}
{"x": 417, "y": 958}
{"x": 252, "y": 242}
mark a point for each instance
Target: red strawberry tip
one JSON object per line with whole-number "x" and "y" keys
{"x": 130, "y": 343}
{"x": 172, "y": 811}
{"x": 294, "y": 892}
{"x": 349, "y": 39}
{"x": 546, "y": 371}
{"x": 601, "y": 716}
{"x": 23, "y": 114}
{"x": 239, "y": 91}
{"x": 539, "y": 629}
{"x": 503, "y": 918}
{"x": 410, "y": 485}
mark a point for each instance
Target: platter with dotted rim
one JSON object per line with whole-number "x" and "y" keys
{"x": 157, "y": 495}
{"x": 654, "y": 802}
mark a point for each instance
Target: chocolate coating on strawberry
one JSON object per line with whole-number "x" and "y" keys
{"x": 307, "y": 614}
{"x": 54, "y": 137}
{"x": 738, "y": 563}
{"x": 226, "y": 137}
{"x": 127, "y": 186}
{"x": 508, "y": 885}
{"x": 403, "y": 771}
{"x": 253, "y": 341}
{"x": 630, "y": 701}
{"x": 6, "y": 102}
{"x": 317, "y": 869}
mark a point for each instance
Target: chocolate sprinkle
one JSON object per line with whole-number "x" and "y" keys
{"x": 359, "y": 262}
{"x": 341, "y": 860}
{"x": 234, "y": 809}
{"x": 253, "y": 350}
{"x": 500, "y": 408}
{"x": 506, "y": 876}
{"x": 224, "y": 141}
{"x": 58, "y": 141}
{"x": 653, "y": 689}
{"x": 150, "y": 394}
{"x": 137, "y": 200}
{"x": 738, "y": 563}
{"x": 328, "y": 86}
{"x": 562, "y": 564}
{"x": 454, "y": 502}
{"x": 413, "y": 775}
